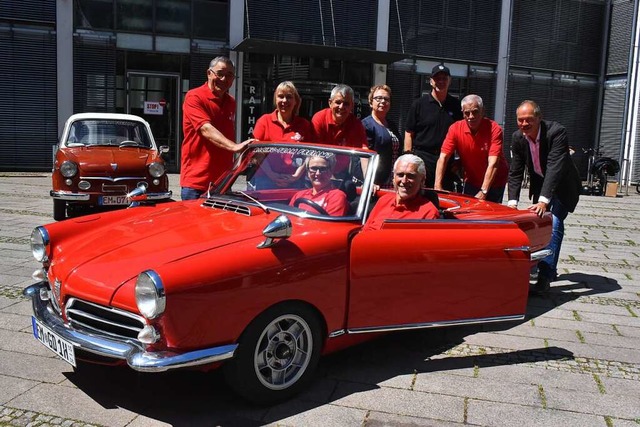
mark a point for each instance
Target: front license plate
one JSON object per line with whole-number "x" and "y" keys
{"x": 113, "y": 200}
{"x": 53, "y": 342}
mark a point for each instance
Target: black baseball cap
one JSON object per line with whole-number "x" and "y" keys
{"x": 440, "y": 68}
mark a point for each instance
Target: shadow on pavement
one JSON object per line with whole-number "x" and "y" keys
{"x": 186, "y": 398}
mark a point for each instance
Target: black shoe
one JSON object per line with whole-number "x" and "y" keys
{"x": 542, "y": 285}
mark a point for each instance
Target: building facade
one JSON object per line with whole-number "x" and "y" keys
{"x": 574, "y": 57}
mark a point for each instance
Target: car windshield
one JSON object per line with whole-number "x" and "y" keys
{"x": 301, "y": 179}
{"x": 108, "y": 132}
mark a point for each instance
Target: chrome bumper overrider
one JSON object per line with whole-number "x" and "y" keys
{"x": 129, "y": 350}
{"x": 61, "y": 195}
{"x": 541, "y": 254}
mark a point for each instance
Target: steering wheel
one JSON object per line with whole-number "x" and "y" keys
{"x": 311, "y": 203}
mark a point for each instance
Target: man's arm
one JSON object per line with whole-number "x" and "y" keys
{"x": 558, "y": 160}
{"x": 440, "y": 167}
{"x": 516, "y": 170}
{"x": 216, "y": 137}
{"x": 408, "y": 141}
{"x": 490, "y": 173}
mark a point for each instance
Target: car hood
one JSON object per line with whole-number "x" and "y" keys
{"x": 96, "y": 260}
{"x": 105, "y": 161}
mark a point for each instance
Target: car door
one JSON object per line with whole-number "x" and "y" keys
{"x": 420, "y": 273}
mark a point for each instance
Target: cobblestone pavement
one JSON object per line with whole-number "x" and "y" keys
{"x": 574, "y": 361}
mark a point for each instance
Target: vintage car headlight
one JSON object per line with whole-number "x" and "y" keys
{"x": 40, "y": 244}
{"x": 68, "y": 169}
{"x": 156, "y": 169}
{"x": 150, "y": 296}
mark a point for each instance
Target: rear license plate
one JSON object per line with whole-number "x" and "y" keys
{"x": 54, "y": 342}
{"x": 113, "y": 200}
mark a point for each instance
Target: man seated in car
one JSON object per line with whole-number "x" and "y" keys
{"x": 407, "y": 202}
{"x": 322, "y": 197}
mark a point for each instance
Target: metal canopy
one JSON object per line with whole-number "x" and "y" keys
{"x": 253, "y": 45}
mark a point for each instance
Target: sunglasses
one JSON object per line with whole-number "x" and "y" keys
{"x": 316, "y": 169}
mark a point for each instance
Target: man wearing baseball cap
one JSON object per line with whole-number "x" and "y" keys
{"x": 428, "y": 121}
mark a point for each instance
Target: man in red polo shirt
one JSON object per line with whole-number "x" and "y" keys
{"x": 409, "y": 174}
{"x": 478, "y": 141}
{"x": 209, "y": 116}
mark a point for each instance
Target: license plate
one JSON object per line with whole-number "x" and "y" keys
{"x": 54, "y": 342}
{"x": 114, "y": 200}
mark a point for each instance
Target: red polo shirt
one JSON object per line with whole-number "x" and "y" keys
{"x": 386, "y": 208}
{"x": 203, "y": 162}
{"x": 268, "y": 128}
{"x": 332, "y": 200}
{"x": 474, "y": 151}
{"x": 350, "y": 133}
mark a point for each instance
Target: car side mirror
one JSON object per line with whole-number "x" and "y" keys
{"x": 164, "y": 149}
{"x": 279, "y": 228}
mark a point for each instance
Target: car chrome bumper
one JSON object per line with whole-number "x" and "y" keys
{"x": 541, "y": 254}
{"x": 61, "y": 195}
{"x": 131, "y": 351}
{"x": 159, "y": 196}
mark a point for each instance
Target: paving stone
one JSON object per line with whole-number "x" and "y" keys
{"x": 502, "y": 414}
{"x": 22, "y": 342}
{"x": 11, "y": 387}
{"x": 309, "y": 414}
{"x": 13, "y": 322}
{"x": 398, "y": 401}
{"x": 71, "y": 403}
{"x": 619, "y": 406}
{"x": 37, "y": 368}
{"x": 539, "y": 374}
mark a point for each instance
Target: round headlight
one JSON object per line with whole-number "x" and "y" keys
{"x": 68, "y": 169}
{"x": 156, "y": 169}
{"x": 150, "y": 296}
{"x": 40, "y": 244}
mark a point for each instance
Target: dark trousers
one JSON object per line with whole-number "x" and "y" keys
{"x": 430, "y": 159}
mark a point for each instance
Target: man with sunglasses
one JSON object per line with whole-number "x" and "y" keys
{"x": 407, "y": 202}
{"x": 322, "y": 197}
{"x": 209, "y": 117}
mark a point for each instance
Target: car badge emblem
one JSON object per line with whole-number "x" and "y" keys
{"x": 114, "y": 166}
{"x": 56, "y": 289}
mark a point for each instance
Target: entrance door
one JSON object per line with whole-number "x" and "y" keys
{"x": 156, "y": 98}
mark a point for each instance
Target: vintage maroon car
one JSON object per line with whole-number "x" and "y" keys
{"x": 244, "y": 278}
{"x": 101, "y": 158}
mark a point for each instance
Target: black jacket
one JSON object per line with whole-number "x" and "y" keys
{"x": 561, "y": 177}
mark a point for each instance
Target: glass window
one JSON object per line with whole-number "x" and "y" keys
{"x": 95, "y": 14}
{"x": 211, "y": 19}
{"x": 134, "y": 15}
{"x": 173, "y": 17}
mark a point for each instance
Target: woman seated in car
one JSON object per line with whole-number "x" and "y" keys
{"x": 322, "y": 197}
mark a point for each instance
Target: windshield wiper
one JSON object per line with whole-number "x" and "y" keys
{"x": 253, "y": 199}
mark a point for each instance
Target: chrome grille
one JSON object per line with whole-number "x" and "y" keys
{"x": 107, "y": 320}
{"x": 111, "y": 188}
{"x": 227, "y": 205}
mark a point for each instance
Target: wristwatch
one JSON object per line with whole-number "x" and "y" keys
{"x": 483, "y": 191}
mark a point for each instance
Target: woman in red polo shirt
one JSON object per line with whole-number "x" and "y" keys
{"x": 283, "y": 124}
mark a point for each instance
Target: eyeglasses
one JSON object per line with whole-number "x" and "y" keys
{"x": 222, "y": 75}
{"x": 316, "y": 169}
{"x": 381, "y": 98}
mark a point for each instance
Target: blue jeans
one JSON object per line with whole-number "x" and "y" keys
{"x": 493, "y": 195}
{"x": 187, "y": 193}
{"x": 548, "y": 266}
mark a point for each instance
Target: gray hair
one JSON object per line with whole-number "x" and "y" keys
{"x": 470, "y": 99}
{"x": 330, "y": 158}
{"x": 412, "y": 159}
{"x": 536, "y": 108}
{"x": 343, "y": 90}
{"x": 223, "y": 59}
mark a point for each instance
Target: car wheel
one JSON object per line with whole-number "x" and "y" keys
{"x": 277, "y": 354}
{"x": 59, "y": 209}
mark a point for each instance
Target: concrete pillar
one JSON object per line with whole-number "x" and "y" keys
{"x": 64, "y": 55}
{"x": 502, "y": 69}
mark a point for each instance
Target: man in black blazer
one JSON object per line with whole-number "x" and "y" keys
{"x": 543, "y": 147}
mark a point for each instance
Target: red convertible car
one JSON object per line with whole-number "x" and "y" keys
{"x": 102, "y": 157}
{"x": 248, "y": 281}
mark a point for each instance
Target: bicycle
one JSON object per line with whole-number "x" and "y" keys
{"x": 599, "y": 168}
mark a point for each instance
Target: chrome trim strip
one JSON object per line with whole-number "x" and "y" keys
{"x": 130, "y": 350}
{"x": 518, "y": 249}
{"x": 159, "y": 196}
{"x": 541, "y": 254}
{"x": 435, "y": 324}
{"x": 110, "y": 179}
{"x": 62, "y": 195}
{"x": 337, "y": 333}
{"x": 79, "y": 314}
